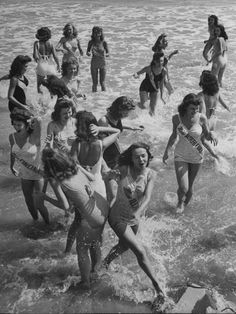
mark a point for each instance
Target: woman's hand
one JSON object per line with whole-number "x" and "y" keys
{"x": 94, "y": 129}
{"x": 135, "y": 75}
{"x": 213, "y": 138}
{"x": 163, "y": 100}
{"x": 15, "y": 172}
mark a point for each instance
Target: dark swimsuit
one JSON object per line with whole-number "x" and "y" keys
{"x": 19, "y": 94}
{"x": 146, "y": 85}
{"x": 112, "y": 153}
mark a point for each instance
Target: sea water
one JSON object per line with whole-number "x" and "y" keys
{"x": 197, "y": 246}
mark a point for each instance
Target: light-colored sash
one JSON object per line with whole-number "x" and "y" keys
{"x": 184, "y": 132}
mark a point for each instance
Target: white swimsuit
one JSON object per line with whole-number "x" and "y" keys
{"x": 30, "y": 153}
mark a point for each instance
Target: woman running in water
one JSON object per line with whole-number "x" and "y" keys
{"x": 210, "y": 97}
{"x": 135, "y": 185}
{"x": 99, "y": 49}
{"x": 156, "y": 74}
{"x": 188, "y": 125}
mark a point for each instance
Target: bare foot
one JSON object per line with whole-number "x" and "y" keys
{"x": 180, "y": 208}
{"x": 83, "y": 285}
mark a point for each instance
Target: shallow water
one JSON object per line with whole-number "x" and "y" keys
{"x": 198, "y": 246}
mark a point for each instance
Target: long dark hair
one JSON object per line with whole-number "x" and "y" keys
{"x": 156, "y": 57}
{"x": 190, "y": 99}
{"x": 97, "y": 29}
{"x": 119, "y": 105}
{"x": 56, "y": 86}
{"x": 209, "y": 83}
{"x": 18, "y": 64}
{"x": 215, "y": 18}
{"x": 125, "y": 158}
{"x": 83, "y": 121}
{"x": 222, "y": 31}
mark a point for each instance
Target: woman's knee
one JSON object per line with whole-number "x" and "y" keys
{"x": 140, "y": 253}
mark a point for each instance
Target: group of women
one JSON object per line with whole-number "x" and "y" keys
{"x": 81, "y": 158}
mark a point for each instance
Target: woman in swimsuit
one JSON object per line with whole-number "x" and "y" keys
{"x": 88, "y": 150}
{"x": 18, "y": 85}
{"x": 69, "y": 44}
{"x": 72, "y": 184}
{"x": 25, "y": 148}
{"x": 156, "y": 74}
{"x": 61, "y": 130}
{"x": 70, "y": 71}
{"x": 212, "y": 23}
{"x": 210, "y": 97}
{"x": 135, "y": 185}
{"x": 99, "y": 49}
{"x": 119, "y": 109}
{"x": 188, "y": 125}
{"x": 160, "y": 46}
{"x": 219, "y": 53}
{"x": 42, "y": 54}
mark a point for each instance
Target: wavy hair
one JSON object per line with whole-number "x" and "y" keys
{"x": 190, "y": 99}
{"x": 56, "y": 86}
{"x": 65, "y": 30}
{"x": 125, "y": 158}
{"x": 159, "y": 42}
{"x": 43, "y": 34}
{"x": 97, "y": 29}
{"x": 58, "y": 164}
{"x": 62, "y": 104}
{"x": 18, "y": 64}
{"x": 214, "y": 17}
{"x": 83, "y": 121}
{"x": 209, "y": 83}
{"x": 222, "y": 31}
{"x": 66, "y": 64}
{"x": 119, "y": 105}
{"x": 23, "y": 118}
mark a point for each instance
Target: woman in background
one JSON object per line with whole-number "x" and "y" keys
{"x": 18, "y": 85}
{"x": 69, "y": 44}
{"x": 42, "y": 54}
{"x": 156, "y": 74}
{"x": 70, "y": 71}
{"x": 99, "y": 49}
{"x": 160, "y": 46}
{"x": 212, "y": 23}
{"x": 219, "y": 53}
